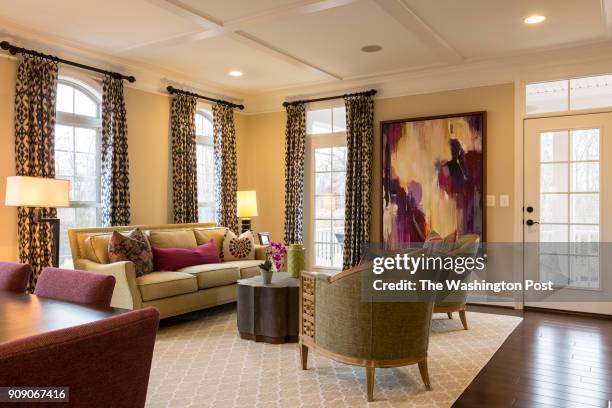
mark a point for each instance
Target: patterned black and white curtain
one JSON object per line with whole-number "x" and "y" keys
{"x": 115, "y": 164}
{"x": 226, "y": 179}
{"x": 35, "y": 153}
{"x": 295, "y": 149}
{"x": 359, "y": 139}
{"x": 184, "y": 170}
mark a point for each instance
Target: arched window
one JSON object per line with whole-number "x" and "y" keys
{"x": 205, "y": 166}
{"x": 77, "y": 157}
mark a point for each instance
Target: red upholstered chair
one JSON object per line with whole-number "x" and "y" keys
{"x": 14, "y": 277}
{"x": 86, "y": 288}
{"x": 105, "y": 363}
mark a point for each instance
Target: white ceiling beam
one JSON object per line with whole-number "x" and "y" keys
{"x": 606, "y": 12}
{"x": 270, "y": 49}
{"x": 235, "y": 28}
{"x": 403, "y": 14}
{"x": 215, "y": 27}
{"x": 189, "y": 13}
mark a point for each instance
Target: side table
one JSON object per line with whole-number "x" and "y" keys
{"x": 269, "y": 313}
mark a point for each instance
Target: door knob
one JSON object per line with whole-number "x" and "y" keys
{"x": 531, "y": 222}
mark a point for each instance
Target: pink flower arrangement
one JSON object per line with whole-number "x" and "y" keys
{"x": 276, "y": 251}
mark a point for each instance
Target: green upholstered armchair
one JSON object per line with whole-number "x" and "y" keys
{"x": 338, "y": 324}
{"x": 467, "y": 245}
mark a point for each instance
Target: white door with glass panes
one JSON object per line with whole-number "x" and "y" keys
{"x": 567, "y": 216}
{"x": 324, "y": 196}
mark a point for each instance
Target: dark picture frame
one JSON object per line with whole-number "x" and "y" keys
{"x": 264, "y": 238}
{"x": 385, "y": 157}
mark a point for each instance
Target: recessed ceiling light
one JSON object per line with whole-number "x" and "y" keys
{"x": 535, "y": 19}
{"x": 371, "y": 48}
{"x": 236, "y": 73}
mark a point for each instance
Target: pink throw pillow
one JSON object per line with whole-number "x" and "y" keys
{"x": 172, "y": 259}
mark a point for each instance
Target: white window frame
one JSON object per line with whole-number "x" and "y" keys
{"x": 205, "y": 140}
{"x": 315, "y": 141}
{"x": 521, "y": 97}
{"x": 89, "y": 122}
{"x": 83, "y": 121}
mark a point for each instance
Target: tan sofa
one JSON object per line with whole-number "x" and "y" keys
{"x": 172, "y": 293}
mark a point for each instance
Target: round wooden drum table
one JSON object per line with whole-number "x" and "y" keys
{"x": 269, "y": 313}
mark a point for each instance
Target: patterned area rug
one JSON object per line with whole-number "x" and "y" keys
{"x": 200, "y": 361}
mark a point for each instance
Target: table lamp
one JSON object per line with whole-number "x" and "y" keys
{"x": 39, "y": 192}
{"x": 247, "y": 208}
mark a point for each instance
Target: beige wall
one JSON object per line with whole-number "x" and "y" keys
{"x": 8, "y": 215}
{"x": 261, "y": 167}
{"x": 263, "y": 146}
{"x": 148, "y": 141}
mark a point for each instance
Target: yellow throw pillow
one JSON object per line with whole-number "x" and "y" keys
{"x": 96, "y": 248}
{"x": 204, "y": 235}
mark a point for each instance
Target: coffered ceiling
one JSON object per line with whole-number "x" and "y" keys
{"x": 287, "y": 44}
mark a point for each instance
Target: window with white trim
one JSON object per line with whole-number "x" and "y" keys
{"x": 77, "y": 157}
{"x": 205, "y": 166}
{"x": 593, "y": 92}
{"x": 326, "y": 173}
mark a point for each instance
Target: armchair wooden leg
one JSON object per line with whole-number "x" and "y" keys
{"x": 424, "y": 374}
{"x": 370, "y": 375}
{"x": 463, "y": 319}
{"x": 450, "y": 315}
{"x": 304, "y": 356}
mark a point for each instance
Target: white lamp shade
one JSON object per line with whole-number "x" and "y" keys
{"x": 247, "y": 203}
{"x": 22, "y": 191}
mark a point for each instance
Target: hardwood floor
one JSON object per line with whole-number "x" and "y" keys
{"x": 550, "y": 360}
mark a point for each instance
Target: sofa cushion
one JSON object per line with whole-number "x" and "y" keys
{"x": 157, "y": 285}
{"x": 203, "y": 235}
{"x": 173, "y": 239}
{"x": 248, "y": 269}
{"x": 213, "y": 275}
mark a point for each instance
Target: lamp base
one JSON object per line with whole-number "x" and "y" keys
{"x": 55, "y": 230}
{"x": 245, "y": 225}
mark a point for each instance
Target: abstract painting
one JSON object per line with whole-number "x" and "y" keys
{"x": 433, "y": 177}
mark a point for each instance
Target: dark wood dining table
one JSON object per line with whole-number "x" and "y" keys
{"x": 23, "y": 315}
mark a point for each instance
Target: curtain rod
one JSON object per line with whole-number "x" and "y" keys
{"x": 13, "y": 49}
{"x": 371, "y": 92}
{"x": 172, "y": 90}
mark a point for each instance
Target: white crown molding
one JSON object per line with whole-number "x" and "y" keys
{"x": 561, "y": 62}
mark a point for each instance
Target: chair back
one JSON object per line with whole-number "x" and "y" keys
{"x": 105, "y": 363}
{"x": 85, "y": 288}
{"x": 384, "y": 331}
{"x": 467, "y": 246}
{"x": 14, "y": 277}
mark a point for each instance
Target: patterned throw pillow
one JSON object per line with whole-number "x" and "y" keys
{"x": 135, "y": 248}
{"x": 238, "y": 248}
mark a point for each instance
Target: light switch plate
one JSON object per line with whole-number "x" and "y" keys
{"x": 490, "y": 200}
{"x": 504, "y": 200}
